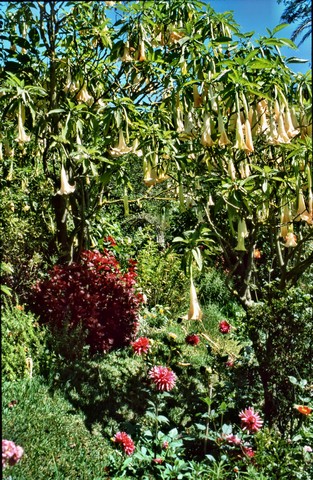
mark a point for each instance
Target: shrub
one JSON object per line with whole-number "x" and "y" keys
{"x": 94, "y": 294}
{"x": 21, "y": 339}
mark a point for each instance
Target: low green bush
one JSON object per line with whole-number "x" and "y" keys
{"x": 22, "y": 342}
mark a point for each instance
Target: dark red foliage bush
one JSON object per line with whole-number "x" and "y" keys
{"x": 93, "y": 293}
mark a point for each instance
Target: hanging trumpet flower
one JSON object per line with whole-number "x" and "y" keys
{"x": 302, "y": 213}
{"x": 291, "y": 240}
{"x": 272, "y": 138}
{"x": 126, "y": 54}
{"x": 66, "y": 188}
{"x": 195, "y": 312}
{"x": 141, "y": 51}
{"x": 241, "y": 235}
{"x": 231, "y": 169}
{"x": 149, "y": 173}
{"x": 22, "y": 137}
{"x": 223, "y": 140}
{"x": 289, "y": 128}
{"x": 282, "y": 134}
{"x": 121, "y": 148}
{"x": 240, "y": 141}
{"x": 262, "y": 110}
{"x": 248, "y": 137}
{"x": 83, "y": 96}
{"x": 197, "y": 98}
{"x": 206, "y": 139}
{"x": 286, "y": 220}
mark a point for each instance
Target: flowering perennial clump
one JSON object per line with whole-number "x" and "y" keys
{"x": 127, "y": 443}
{"x": 224, "y": 326}
{"x": 164, "y": 378}
{"x": 11, "y": 453}
{"x": 192, "y": 339}
{"x": 141, "y": 345}
{"x": 250, "y": 420}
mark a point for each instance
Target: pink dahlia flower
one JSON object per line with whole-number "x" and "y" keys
{"x": 250, "y": 420}
{"x": 248, "y": 451}
{"x": 163, "y": 377}
{"x": 123, "y": 439}
{"x": 141, "y": 345}
{"x": 192, "y": 339}
{"x": 224, "y": 326}
{"x": 233, "y": 439}
{"x": 11, "y": 453}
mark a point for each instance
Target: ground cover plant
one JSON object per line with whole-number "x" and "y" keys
{"x": 156, "y": 191}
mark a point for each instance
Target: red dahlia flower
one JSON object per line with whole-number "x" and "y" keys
{"x": 224, "y": 326}
{"x": 250, "y": 420}
{"x": 123, "y": 439}
{"x": 192, "y": 339}
{"x": 141, "y": 345}
{"x": 163, "y": 377}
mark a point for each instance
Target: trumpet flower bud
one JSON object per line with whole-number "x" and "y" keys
{"x": 194, "y": 312}
{"x": 241, "y": 235}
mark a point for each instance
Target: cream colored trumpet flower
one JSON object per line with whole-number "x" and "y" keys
{"x": 248, "y": 137}
{"x": 223, "y": 140}
{"x": 197, "y": 98}
{"x": 135, "y": 150}
{"x": 1, "y": 151}
{"x": 206, "y": 139}
{"x": 22, "y": 137}
{"x": 291, "y": 240}
{"x": 126, "y": 54}
{"x": 240, "y": 141}
{"x": 149, "y": 172}
{"x": 241, "y": 235}
{"x": 272, "y": 137}
{"x": 141, "y": 51}
{"x": 302, "y": 213}
{"x": 290, "y": 130}
{"x": 83, "y": 96}
{"x": 189, "y": 128}
{"x": 231, "y": 169}
{"x": 121, "y": 148}
{"x": 195, "y": 312}
{"x": 262, "y": 110}
{"x": 276, "y": 110}
{"x": 66, "y": 188}
{"x": 282, "y": 134}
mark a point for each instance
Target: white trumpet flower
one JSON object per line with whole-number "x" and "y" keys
{"x": 66, "y": 188}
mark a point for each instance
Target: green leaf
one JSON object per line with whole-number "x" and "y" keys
{"x": 162, "y": 419}
{"x": 280, "y": 27}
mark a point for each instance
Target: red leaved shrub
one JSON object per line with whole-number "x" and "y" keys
{"x": 95, "y": 294}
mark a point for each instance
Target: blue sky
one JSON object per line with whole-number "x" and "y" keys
{"x": 256, "y": 15}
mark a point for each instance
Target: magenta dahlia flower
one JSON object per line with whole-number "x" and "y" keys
{"x": 123, "y": 439}
{"x": 141, "y": 345}
{"x": 250, "y": 420}
{"x": 164, "y": 378}
{"x": 224, "y": 326}
{"x": 192, "y": 339}
{"x": 11, "y": 453}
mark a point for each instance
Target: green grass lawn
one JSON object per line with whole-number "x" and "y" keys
{"x": 56, "y": 441}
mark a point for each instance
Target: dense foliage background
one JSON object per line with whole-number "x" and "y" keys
{"x": 156, "y": 183}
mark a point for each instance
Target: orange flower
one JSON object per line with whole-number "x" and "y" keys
{"x": 304, "y": 409}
